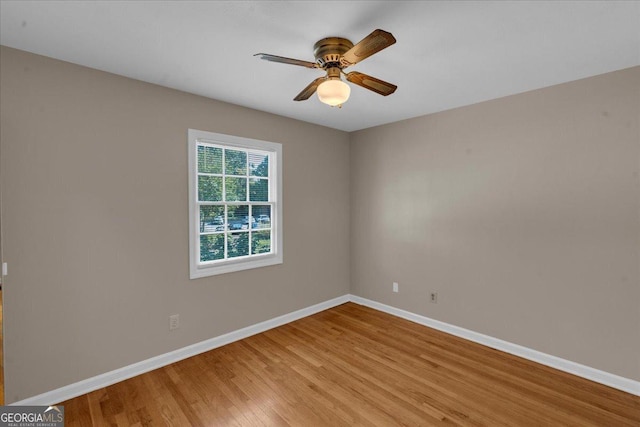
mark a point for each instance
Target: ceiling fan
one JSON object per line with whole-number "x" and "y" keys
{"x": 334, "y": 54}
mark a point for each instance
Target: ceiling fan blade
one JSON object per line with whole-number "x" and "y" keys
{"x": 373, "y": 43}
{"x": 371, "y": 83}
{"x": 282, "y": 59}
{"x": 309, "y": 90}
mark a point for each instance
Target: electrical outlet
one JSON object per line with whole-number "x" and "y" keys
{"x": 433, "y": 297}
{"x": 395, "y": 286}
{"x": 174, "y": 322}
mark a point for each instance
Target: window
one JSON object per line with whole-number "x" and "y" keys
{"x": 235, "y": 199}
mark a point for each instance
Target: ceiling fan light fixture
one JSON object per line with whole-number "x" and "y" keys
{"x": 334, "y": 54}
{"x": 333, "y": 92}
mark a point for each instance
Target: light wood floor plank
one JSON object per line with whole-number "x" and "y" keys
{"x": 354, "y": 366}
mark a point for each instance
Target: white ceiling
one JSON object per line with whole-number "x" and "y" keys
{"x": 448, "y": 54}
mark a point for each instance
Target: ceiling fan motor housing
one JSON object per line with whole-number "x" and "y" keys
{"x": 329, "y": 51}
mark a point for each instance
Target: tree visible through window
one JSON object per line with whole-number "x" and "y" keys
{"x": 236, "y": 205}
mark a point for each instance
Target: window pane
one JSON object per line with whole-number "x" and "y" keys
{"x": 211, "y": 247}
{"x": 235, "y": 162}
{"x": 209, "y": 159}
{"x": 209, "y": 188}
{"x": 259, "y": 190}
{"x": 238, "y": 217}
{"x": 258, "y": 164}
{"x": 211, "y": 219}
{"x": 236, "y": 189}
{"x": 262, "y": 214}
{"x": 261, "y": 242}
{"x": 238, "y": 244}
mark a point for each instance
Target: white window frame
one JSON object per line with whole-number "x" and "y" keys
{"x": 199, "y": 269}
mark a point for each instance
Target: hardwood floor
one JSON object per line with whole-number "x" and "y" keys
{"x": 348, "y": 366}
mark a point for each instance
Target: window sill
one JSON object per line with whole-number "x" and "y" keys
{"x": 230, "y": 266}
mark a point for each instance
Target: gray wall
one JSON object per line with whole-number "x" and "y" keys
{"x": 521, "y": 212}
{"x": 95, "y": 224}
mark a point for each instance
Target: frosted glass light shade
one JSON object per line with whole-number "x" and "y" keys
{"x": 334, "y": 92}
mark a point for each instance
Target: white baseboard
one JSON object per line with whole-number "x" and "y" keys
{"x": 596, "y": 375}
{"x": 100, "y": 381}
